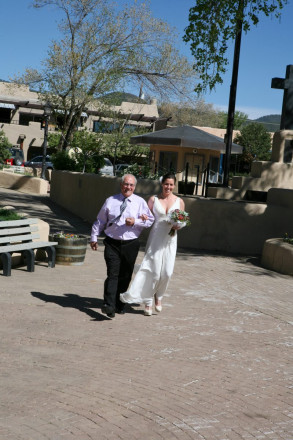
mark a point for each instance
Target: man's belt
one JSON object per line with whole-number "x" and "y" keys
{"x": 113, "y": 240}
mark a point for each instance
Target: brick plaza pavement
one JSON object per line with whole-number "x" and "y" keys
{"x": 216, "y": 364}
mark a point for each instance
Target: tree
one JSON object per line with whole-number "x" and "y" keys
{"x": 116, "y": 138}
{"x": 240, "y": 119}
{"x": 211, "y": 27}
{"x": 87, "y": 151}
{"x": 103, "y": 47}
{"x": 213, "y": 24}
{"x": 256, "y": 143}
{"x": 85, "y": 154}
{"x": 4, "y": 147}
{"x": 198, "y": 114}
{"x": 184, "y": 112}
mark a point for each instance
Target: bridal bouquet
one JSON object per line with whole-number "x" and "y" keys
{"x": 179, "y": 218}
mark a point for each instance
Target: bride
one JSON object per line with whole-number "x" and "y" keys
{"x": 152, "y": 279}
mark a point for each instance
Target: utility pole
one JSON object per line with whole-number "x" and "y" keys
{"x": 232, "y": 96}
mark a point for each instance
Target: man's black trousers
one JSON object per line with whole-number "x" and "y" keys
{"x": 120, "y": 256}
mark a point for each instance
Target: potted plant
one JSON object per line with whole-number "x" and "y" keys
{"x": 71, "y": 248}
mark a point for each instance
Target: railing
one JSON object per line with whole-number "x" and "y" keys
{"x": 14, "y": 169}
{"x": 211, "y": 178}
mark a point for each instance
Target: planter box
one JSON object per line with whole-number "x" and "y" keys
{"x": 277, "y": 255}
{"x": 70, "y": 251}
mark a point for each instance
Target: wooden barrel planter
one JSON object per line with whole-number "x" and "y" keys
{"x": 70, "y": 251}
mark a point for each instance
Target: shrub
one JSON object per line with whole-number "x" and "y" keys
{"x": 62, "y": 161}
{"x": 141, "y": 172}
{"x": 8, "y": 214}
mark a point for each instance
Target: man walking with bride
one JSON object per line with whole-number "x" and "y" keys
{"x": 122, "y": 218}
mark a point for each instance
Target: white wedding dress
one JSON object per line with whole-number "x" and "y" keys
{"x": 157, "y": 266}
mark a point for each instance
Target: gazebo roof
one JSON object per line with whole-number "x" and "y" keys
{"x": 185, "y": 136}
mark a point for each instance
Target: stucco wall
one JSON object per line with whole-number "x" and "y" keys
{"x": 264, "y": 175}
{"x": 217, "y": 225}
{"x": 26, "y": 184}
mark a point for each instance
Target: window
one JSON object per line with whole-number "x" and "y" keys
{"x": 5, "y": 115}
{"x": 104, "y": 127}
{"x": 26, "y": 118}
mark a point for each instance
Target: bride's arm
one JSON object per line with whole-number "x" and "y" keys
{"x": 151, "y": 203}
{"x": 144, "y": 217}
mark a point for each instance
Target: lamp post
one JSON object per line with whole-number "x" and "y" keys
{"x": 47, "y": 113}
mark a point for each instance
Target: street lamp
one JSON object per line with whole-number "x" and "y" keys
{"x": 47, "y": 113}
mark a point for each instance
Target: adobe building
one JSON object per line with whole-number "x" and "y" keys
{"x": 22, "y": 117}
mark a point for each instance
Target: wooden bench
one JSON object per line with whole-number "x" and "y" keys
{"x": 17, "y": 236}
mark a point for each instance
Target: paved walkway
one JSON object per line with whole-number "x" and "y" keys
{"x": 216, "y": 364}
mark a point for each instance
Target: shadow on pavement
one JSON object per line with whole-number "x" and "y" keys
{"x": 83, "y": 304}
{"x": 80, "y": 303}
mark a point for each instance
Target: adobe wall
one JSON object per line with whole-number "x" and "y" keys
{"x": 26, "y": 184}
{"x": 34, "y": 135}
{"x": 217, "y": 225}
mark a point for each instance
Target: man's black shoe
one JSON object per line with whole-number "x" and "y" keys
{"x": 108, "y": 310}
{"x": 120, "y": 311}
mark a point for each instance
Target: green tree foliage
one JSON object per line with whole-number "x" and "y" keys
{"x": 256, "y": 143}
{"x": 143, "y": 171}
{"x": 85, "y": 154}
{"x": 199, "y": 114}
{"x": 106, "y": 46}
{"x": 87, "y": 151}
{"x": 212, "y": 25}
{"x": 4, "y": 147}
{"x": 117, "y": 133}
{"x": 63, "y": 161}
{"x": 240, "y": 119}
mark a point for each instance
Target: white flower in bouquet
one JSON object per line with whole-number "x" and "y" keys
{"x": 178, "y": 218}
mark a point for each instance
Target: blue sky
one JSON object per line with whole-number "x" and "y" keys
{"x": 266, "y": 50}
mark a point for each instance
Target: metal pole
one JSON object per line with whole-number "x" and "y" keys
{"x": 186, "y": 178}
{"x": 232, "y": 97}
{"x": 43, "y": 176}
{"x": 197, "y": 177}
{"x": 207, "y": 180}
{"x": 203, "y": 182}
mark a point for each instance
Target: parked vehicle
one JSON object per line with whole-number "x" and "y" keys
{"x": 16, "y": 157}
{"x": 120, "y": 168}
{"x": 107, "y": 169}
{"x": 36, "y": 162}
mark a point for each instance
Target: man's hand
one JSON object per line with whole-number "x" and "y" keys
{"x": 94, "y": 245}
{"x": 144, "y": 217}
{"x": 130, "y": 221}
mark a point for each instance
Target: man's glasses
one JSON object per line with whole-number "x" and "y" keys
{"x": 128, "y": 184}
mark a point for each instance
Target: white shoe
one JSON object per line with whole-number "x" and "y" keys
{"x": 148, "y": 311}
{"x": 158, "y": 307}
{"x": 122, "y": 299}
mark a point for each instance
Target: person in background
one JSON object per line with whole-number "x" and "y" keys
{"x": 156, "y": 269}
{"x": 122, "y": 218}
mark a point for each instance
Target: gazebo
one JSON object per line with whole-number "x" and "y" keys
{"x": 173, "y": 148}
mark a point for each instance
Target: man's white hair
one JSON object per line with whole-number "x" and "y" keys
{"x": 128, "y": 175}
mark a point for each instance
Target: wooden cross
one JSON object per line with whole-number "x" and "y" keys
{"x": 287, "y": 109}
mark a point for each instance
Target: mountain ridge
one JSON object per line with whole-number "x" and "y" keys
{"x": 271, "y": 122}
